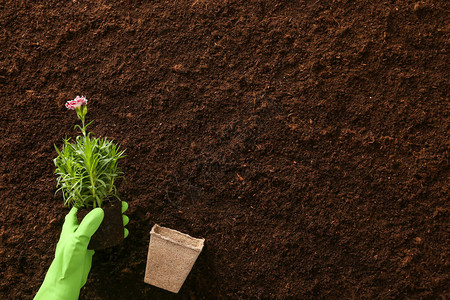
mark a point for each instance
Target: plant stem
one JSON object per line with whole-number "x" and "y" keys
{"x": 90, "y": 169}
{"x": 81, "y": 113}
{"x": 84, "y": 128}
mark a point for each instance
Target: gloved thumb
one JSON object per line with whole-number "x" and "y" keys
{"x": 90, "y": 223}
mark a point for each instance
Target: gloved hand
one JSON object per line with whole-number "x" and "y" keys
{"x": 69, "y": 270}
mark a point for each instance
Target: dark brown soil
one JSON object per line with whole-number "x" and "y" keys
{"x": 110, "y": 232}
{"x": 306, "y": 141}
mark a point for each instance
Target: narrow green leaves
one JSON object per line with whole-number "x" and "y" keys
{"x": 87, "y": 170}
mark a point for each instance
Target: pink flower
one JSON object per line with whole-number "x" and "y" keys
{"x": 77, "y": 102}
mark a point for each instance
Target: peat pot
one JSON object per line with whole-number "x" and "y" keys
{"x": 171, "y": 255}
{"x": 110, "y": 232}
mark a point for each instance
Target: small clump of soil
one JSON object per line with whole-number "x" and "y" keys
{"x": 110, "y": 232}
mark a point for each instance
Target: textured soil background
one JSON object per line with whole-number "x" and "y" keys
{"x": 307, "y": 141}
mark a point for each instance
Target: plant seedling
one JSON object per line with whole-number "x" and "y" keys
{"x": 87, "y": 168}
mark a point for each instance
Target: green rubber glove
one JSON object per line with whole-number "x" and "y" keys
{"x": 69, "y": 270}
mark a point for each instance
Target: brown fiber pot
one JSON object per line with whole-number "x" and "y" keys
{"x": 110, "y": 232}
{"x": 171, "y": 256}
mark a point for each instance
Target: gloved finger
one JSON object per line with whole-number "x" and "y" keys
{"x": 90, "y": 223}
{"x": 125, "y": 220}
{"x": 70, "y": 222}
{"x": 124, "y": 206}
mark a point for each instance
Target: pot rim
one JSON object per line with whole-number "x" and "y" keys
{"x": 176, "y": 237}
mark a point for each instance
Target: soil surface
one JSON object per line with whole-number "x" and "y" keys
{"x": 306, "y": 141}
